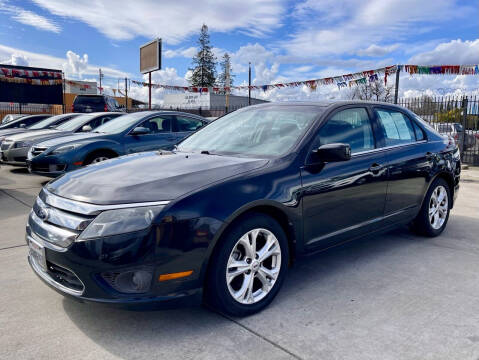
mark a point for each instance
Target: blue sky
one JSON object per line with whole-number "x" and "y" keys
{"x": 284, "y": 40}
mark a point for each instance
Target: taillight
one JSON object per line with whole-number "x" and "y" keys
{"x": 456, "y": 136}
{"x": 73, "y": 108}
{"x": 105, "y": 108}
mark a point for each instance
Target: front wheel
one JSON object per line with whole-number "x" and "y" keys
{"x": 434, "y": 214}
{"x": 249, "y": 267}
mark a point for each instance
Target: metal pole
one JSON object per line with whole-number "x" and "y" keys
{"x": 126, "y": 94}
{"x": 227, "y": 85}
{"x": 249, "y": 84}
{"x": 149, "y": 91}
{"x": 100, "y": 80}
{"x": 396, "y": 86}
{"x": 63, "y": 92}
{"x": 464, "y": 124}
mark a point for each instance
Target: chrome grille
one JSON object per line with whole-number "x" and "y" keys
{"x": 5, "y": 145}
{"x": 55, "y": 225}
{"x": 37, "y": 150}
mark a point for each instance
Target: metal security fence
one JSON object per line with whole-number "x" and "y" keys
{"x": 457, "y": 117}
{"x": 30, "y": 109}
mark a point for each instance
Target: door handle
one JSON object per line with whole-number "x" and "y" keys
{"x": 375, "y": 168}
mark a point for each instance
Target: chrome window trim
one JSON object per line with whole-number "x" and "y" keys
{"x": 88, "y": 208}
{"x": 385, "y": 148}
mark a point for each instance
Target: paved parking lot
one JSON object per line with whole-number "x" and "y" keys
{"x": 394, "y": 296}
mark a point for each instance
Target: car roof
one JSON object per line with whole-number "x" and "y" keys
{"x": 173, "y": 112}
{"x": 327, "y": 103}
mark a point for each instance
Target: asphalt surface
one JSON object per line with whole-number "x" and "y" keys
{"x": 394, "y": 296}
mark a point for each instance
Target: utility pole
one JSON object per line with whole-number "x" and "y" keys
{"x": 126, "y": 94}
{"x": 227, "y": 85}
{"x": 249, "y": 84}
{"x": 101, "y": 76}
{"x": 396, "y": 86}
{"x": 149, "y": 91}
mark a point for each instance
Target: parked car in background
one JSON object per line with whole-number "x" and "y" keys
{"x": 95, "y": 103}
{"x": 14, "y": 148}
{"x": 10, "y": 117}
{"x": 227, "y": 211}
{"x": 20, "y": 125}
{"x": 456, "y": 131}
{"x": 131, "y": 133}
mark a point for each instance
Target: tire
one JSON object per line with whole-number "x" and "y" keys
{"x": 233, "y": 250}
{"x": 97, "y": 157}
{"x": 435, "y": 225}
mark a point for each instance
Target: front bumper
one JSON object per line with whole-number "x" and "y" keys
{"x": 82, "y": 269}
{"x": 48, "y": 166}
{"x": 15, "y": 156}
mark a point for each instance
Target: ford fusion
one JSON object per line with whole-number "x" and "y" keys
{"x": 141, "y": 131}
{"x": 221, "y": 216}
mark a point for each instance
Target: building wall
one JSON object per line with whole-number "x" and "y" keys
{"x": 205, "y": 101}
{"x": 80, "y": 87}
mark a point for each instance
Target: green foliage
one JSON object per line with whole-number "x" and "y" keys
{"x": 225, "y": 64}
{"x": 204, "y": 62}
{"x": 456, "y": 116}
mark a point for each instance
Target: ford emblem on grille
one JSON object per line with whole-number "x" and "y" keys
{"x": 43, "y": 214}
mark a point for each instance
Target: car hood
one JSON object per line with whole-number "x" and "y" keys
{"x": 69, "y": 138}
{"x": 27, "y": 135}
{"x": 149, "y": 176}
{"x": 6, "y": 132}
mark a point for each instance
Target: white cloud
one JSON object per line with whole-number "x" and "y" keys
{"x": 452, "y": 52}
{"x": 17, "y": 59}
{"x": 374, "y": 50}
{"x": 28, "y": 17}
{"x": 344, "y": 27}
{"x": 73, "y": 65}
{"x": 172, "y": 21}
{"x": 182, "y": 52}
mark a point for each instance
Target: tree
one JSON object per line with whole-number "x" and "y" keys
{"x": 374, "y": 90}
{"x": 204, "y": 62}
{"x": 225, "y": 66}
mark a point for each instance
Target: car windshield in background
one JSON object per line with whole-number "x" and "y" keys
{"x": 44, "y": 123}
{"x": 259, "y": 132}
{"x": 86, "y": 100}
{"x": 120, "y": 124}
{"x": 75, "y": 123}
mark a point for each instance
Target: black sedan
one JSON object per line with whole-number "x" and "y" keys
{"x": 141, "y": 131}
{"x": 234, "y": 204}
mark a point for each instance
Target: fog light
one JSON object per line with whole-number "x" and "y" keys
{"x": 131, "y": 282}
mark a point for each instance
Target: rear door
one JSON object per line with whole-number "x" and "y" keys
{"x": 344, "y": 199}
{"x": 159, "y": 137}
{"x": 409, "y": 158}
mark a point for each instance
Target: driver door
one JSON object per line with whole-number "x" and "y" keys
{"x": 159, "y": 137}
{"x": 344, "y": 199}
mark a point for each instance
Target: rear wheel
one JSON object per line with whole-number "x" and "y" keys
{"x": 434, "y": 214}
{"x": 249, "y": 267}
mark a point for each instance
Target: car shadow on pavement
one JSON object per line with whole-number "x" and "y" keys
{"x": 20, "y": 171}
{"x": 124, "y": 333}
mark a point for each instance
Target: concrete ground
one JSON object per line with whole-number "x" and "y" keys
{"x": 394, "y": 296}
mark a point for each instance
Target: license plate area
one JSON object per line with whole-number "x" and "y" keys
{"x": 37, "y": 253}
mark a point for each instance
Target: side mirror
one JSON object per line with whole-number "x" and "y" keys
{"x": 333, "y": 152}
{"x": 86, "y": 128}
{"x": 140, "y": 130}
{"x": 22, "y": 125}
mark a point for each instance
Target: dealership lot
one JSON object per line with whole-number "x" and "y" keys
{"x": 390, "y": 296}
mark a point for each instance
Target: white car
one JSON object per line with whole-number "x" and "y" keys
{"x": 456, "y": 130}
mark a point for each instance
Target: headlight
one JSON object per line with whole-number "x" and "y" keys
{"x": 22, "y": 144}
{"x": 120, "y": 221}
{"x": 65, "y": 148}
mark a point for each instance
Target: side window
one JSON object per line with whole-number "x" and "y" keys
{"x": 188, "y": 124}
{"x": 159, "y": 124}
{"x": 350, "y": 126}
{"x": 95, "y": 123}
{"x": 418, "y": 131}
{"x": 396, "y": 127}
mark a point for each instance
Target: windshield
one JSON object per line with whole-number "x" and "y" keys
{"x": 264, "y": 131}
{"x": 76, "y": 123}
{"x": 87, "y": 100}
{"x": 45, "y": 123}
{"x": 120, "y": 124}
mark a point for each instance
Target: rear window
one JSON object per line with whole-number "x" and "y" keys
{"x": 85, "y": 100}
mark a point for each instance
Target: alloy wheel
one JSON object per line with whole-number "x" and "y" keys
{"x": 253, "y": 266}
{"x": 438, "y": 207}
